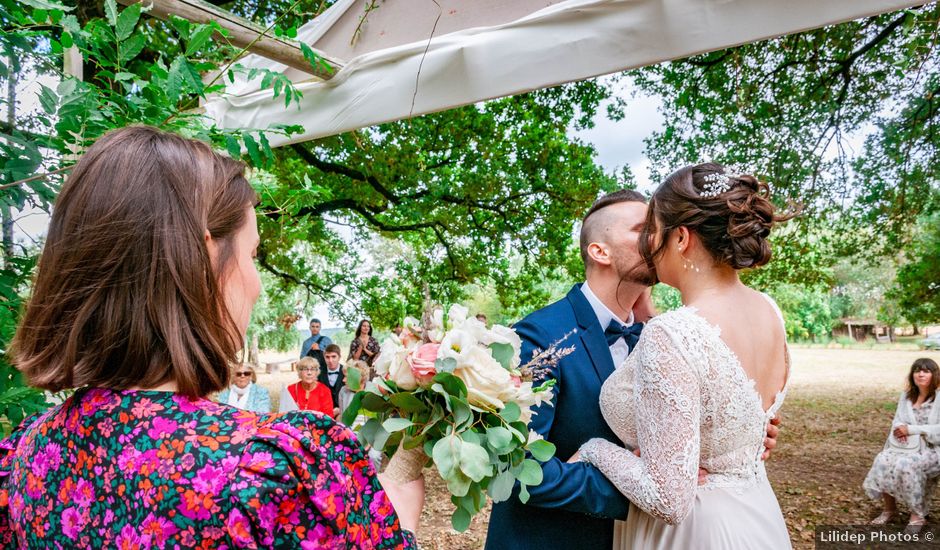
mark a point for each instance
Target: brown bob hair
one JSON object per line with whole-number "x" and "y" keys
{"x": 126, "y": 294}
{"x": 928, "y": 365}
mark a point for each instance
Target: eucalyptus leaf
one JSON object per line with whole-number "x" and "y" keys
{"x": 500, "y": 488}
{"x": 541, "y": 450}
{"x": 460, "y": 520}
{"x": 396, "y": 424}
{"x": 503, "y": 353}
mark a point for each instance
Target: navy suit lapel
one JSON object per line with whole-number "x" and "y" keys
{"x": 592, "y": 334}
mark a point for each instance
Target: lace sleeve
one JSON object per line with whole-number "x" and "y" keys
{"x": 663, "y": 480}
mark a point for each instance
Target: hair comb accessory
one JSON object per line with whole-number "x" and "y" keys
{"x": 716, "y": 183}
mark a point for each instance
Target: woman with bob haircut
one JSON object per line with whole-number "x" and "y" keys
{"x": 911, "y": 455}
{"x": 142, "y": 296}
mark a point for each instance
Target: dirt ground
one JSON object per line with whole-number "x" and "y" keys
{"x": 835, "y": 420}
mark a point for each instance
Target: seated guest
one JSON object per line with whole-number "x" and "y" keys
{"x": 332, "y": 376}
{"x": 140, "y": 304}
{"x": 307, "y": 394}
{"x": 245, "y": 393}
{"x": 481, "y": 317}
{"x": 912, "y": 452}
{"x": 364, "y": 347}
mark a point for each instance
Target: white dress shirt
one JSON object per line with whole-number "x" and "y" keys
{"x": 620, "y": 349}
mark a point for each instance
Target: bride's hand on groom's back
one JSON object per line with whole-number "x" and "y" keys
{"x": 770, "y": 442}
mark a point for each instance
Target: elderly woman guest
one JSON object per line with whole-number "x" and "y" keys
{"x": 245, "y": 393}
{"x": 142, "y": 297}
{"x": 912, "y": 452}
{"x": 307, "y": 394}
{"x": 364, "y": 347}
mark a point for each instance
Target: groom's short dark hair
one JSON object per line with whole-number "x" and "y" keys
{"x": 621, "y": 195}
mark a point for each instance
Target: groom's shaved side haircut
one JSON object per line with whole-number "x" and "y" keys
{"x": 597, "y": 220}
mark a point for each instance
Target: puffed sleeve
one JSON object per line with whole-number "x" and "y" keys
{"x": 305, "y": 481}
{"x": 7, "y": 457}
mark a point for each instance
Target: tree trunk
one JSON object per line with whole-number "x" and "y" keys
{"x": 6, "y": 216}
{"x": 253, "y": 352}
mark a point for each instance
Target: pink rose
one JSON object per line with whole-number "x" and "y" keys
{"x": 421, "y": 361}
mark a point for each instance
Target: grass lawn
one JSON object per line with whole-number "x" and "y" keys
{"x": 835, "y": 420}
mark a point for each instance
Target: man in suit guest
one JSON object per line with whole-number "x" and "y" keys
{"x": 332, "y": 376}
{"x": 575, "y": 505}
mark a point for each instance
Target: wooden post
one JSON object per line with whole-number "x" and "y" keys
{"x": 242, "y": 33}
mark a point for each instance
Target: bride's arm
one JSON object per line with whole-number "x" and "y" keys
{"x": 663, "y": 480}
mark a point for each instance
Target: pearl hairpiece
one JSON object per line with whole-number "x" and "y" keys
{"x": 716, "y": 183}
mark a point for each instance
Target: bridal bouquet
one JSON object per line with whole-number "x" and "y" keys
{"x": 452, "y": 391}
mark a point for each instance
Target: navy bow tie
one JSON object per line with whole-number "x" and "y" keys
{"x": 615, "y": 331}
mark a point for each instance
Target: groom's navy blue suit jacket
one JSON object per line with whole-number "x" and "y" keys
{"x": 575, "y": 505}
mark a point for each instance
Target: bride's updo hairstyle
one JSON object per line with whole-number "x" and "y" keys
{"x": 126, "y": 294}
{"x": 731, "y": 214}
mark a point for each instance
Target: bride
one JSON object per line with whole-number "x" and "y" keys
{"x": 704, "y": 380}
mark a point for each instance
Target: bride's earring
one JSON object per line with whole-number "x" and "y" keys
{"x": 686, "y": 263}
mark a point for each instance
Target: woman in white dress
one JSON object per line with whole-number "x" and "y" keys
{"x": 911, "y": 455}
{"x": 704, "y": 379}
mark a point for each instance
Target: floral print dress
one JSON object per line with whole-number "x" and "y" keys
{"x": 143, "y": 469}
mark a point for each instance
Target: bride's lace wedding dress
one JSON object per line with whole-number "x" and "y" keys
{"x": 684, "y": 399}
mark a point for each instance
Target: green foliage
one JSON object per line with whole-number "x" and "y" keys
{"x": 917, "y": 287}
{"x": 792, "y": 110}
{"x": 138, "y": 71}
{"x": 806, "y": 311}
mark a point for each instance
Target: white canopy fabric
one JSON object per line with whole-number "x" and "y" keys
{"x": 464, "y": 62}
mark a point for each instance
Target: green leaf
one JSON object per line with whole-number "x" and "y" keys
{"x": 352, "y": 411}
{"x": 66, "y": 40}
{"x": 354, "y": 379}
{"x": 253, "y": 152}
{"x": 511, "y": 412}
{"x": 46, "y": 5}
{"x": 462, "y": 412}
{"x": 498, "y": 437}
{"x": 374, "y": 403}
{"x": 523, "y": 494}
{"x": 451, "y": 383}
{"x": 447, "y": 364}
{"x": 460, "y": 520}
{"x": 396, "y": 424}
{"x": 500, "y": 488}
{"x": 374, "y": 434}
{"x": 503, "y": 353}
{"x": 531, "y": 473}
{"x": 48, "y": 99}
{"x": 446, "y": 455}
{"x": 111, "y": 10}
{"x": 232, "y": 146}
{"x": 126, "y": 21}
{"x": 475, "y": 461}
{"x": 407, "y": 402}
{"x": 132, "y": 47}
{"x": 541, "y": 450}
{"x": 198, "y": 38}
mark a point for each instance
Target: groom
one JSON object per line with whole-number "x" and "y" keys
{"x": 575, "y": 505}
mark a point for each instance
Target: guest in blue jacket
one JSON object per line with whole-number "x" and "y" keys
{"x": 245, "y": 393}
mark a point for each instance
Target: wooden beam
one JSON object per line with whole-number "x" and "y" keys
{"x": 242, "y": 32}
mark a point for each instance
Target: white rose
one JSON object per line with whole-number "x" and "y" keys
{"x": 457, "y": 315}
{"x": 399, "y": 372}
{"x": 484, "y": 377}
{"x": 390, "y": 347}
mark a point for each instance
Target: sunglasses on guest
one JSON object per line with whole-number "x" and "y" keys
{"x": 243, "y": 374}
